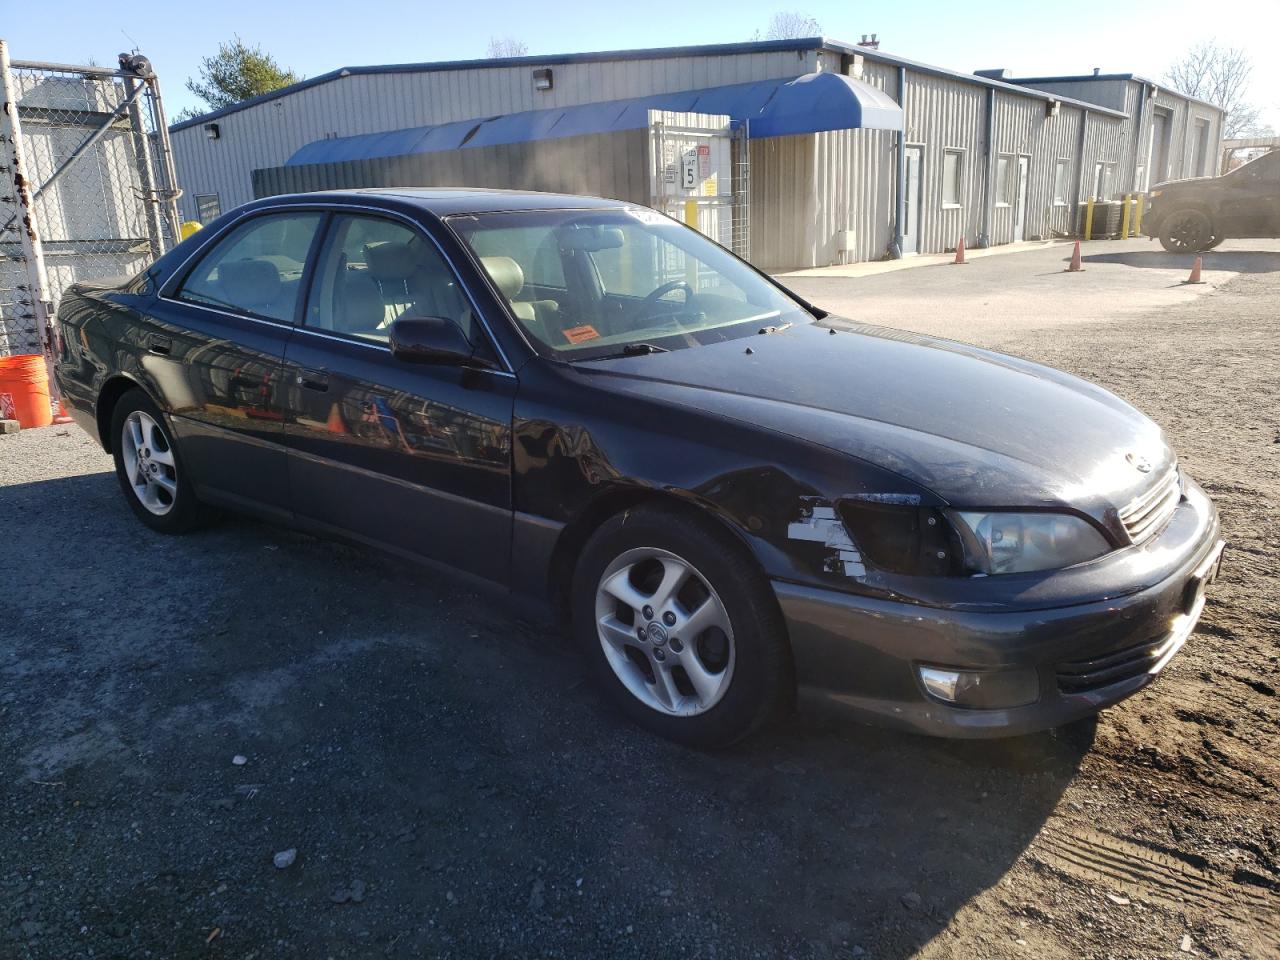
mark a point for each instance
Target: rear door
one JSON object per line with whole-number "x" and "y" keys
{"x": 217, "y": 352}
{"x": 413, "y": 457}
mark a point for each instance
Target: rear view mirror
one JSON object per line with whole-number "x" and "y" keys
{"x": 591, "y": 238}
{"x": 430, "y": 340}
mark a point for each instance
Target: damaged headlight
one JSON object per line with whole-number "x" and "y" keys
{"x": 1024, "y": 542}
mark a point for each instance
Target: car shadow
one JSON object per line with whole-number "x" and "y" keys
{"x": 1235, "y": 261}
{"x": 441, "y": 755}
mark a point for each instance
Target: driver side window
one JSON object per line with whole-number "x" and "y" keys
{"x": 372, "y": 271}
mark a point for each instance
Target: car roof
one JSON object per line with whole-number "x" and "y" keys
{"x": 450, "y": 201}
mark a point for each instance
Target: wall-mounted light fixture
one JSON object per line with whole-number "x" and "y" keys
{"x": 542, "y": 79}
{"x": 212, "y": 131}
{"x": 1052, "y": 108}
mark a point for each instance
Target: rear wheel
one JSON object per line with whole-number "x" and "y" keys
{"x": 149, "y": 467}
{"x": 1187, "y": 231}
{"x": 680, "y": 627}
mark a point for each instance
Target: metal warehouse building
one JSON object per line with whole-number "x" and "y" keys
{"x": 797, "y": 153}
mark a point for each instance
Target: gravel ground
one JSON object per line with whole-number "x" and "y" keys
{"x": 452, "y": 788}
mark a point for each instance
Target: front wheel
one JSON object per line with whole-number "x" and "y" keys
{"x": 149, "y": 467}
{"x": 680, "y": 627}
{"x": 1186, "y": 231}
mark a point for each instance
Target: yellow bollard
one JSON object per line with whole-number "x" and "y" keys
{"x": 1141, "y": 201}
{"x": 691, "y": 267}
{"x": 1124, "y": 218}
{"x": 1088, "y": 220}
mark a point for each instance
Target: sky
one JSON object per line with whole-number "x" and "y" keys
{"x": 1030, "y": 37}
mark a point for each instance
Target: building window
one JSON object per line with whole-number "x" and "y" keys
{"x": 1061, "y": 183}
{"x": 952, "y": 172}
{"x": 1004, "y": 189}
{"x": 207, "y": 207}
{"x": 1103, "y": 177}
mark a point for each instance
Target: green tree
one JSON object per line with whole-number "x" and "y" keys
{"x": 235, "y": 73}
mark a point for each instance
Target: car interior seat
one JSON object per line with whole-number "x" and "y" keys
{"x": 255, "y": 285}
{"x": 539, "y": 317}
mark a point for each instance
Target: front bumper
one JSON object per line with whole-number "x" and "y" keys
{"x": 863, "y": 653}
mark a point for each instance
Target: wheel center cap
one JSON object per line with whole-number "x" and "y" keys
{"x": 657, "y": 634}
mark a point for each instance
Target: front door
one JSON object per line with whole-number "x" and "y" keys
{"x": 409, "y": 456}
{"x": 1249, "y": 204}
{"x": 1020, "y": 201}
{"x": 217, "y": 351}
{"x": 914, "y": 160}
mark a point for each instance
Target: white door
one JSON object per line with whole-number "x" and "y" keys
{"x": 914, "y": 158}
{"x": 1020, "y": 201}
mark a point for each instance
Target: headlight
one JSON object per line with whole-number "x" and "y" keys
{"x": 1155, "y": 193}
{"x": 1023, "y": 542}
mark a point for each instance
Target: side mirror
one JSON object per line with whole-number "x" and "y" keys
{"x": 430, "y": 340}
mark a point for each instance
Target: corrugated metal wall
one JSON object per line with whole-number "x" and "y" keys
{"x": 267, "y": 134}
{"x": 842, "y": 180}
{"x": 942, "y": 113}
{"x": 1126, "y": 95}
{"x": 1023, "y": 127}
{"x": 603, "y": 165}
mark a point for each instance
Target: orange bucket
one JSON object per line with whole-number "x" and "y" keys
{"x": 24, "y": 382}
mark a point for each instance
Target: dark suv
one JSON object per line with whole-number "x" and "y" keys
{"x": 1191, "y": 215}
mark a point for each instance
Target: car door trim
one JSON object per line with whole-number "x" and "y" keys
{"x": 181, "y": 269}
{"x": 434, "y": 492}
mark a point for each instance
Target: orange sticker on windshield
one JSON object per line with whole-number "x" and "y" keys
{"x": 581, "y": 334}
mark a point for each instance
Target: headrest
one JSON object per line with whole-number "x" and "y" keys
{"x": 506, "y": 273}
{"x": 390, "y": 260}
{"x": 249, "y": 281}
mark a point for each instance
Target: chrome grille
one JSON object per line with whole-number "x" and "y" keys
{"x": 1147, "y": 514}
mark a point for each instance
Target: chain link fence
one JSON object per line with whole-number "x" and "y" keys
{"x": 88, "y": 186}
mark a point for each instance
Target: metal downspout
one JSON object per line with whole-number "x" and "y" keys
{"x": 988, "y": 201}
{"x": 900, "y": 174}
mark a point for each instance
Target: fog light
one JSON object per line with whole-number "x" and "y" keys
{"x": 981, "y": 689}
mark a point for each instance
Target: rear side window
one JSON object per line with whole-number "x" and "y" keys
{"x": 257, "y": 268}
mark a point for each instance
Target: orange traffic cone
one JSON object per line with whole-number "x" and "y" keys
{"x": 1075, "y": 260}
{"x": 960, "y": 252}
{"x": 335, "y": 423}
{"x": 1195, "y": 273}
{"x": 61, "y": 415}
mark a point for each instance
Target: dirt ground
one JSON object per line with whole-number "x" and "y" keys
{"x": 453, "y": 788}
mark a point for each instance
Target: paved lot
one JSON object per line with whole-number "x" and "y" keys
{"x": 453, "y": 789}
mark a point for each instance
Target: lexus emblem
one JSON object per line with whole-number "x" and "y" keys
{"x": 1140, "y": 463}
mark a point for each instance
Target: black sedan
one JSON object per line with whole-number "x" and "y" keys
{"x": 729, "y": 495}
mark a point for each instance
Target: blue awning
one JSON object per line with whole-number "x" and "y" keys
{"x": 770, "y": 108}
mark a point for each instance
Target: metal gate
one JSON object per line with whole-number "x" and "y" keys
{"x": 88, "y": 189}
{"x": 700, "y": 172}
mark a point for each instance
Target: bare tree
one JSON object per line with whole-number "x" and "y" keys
{"x": 790, "y": 25}
{"x": 1221, "y": 76}
{"x": 506, "y": 47}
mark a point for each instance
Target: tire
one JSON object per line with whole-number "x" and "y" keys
{"x": 722, "y": 627}
{"x": 149, "y": 467}
{"x": 1215, "y": 242}
{"x": 1186, "y": 231}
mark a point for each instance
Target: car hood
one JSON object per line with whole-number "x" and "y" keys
{"x": 1185, "y": 182}
{"x": 977, "y": 428}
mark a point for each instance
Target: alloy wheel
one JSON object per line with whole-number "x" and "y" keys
{"x": 1186, "y": 233}
{"x": 149, "y": 463}
{"x": 664, "y": 632}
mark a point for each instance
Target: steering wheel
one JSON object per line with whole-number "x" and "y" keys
{"x": 653, "y": 298}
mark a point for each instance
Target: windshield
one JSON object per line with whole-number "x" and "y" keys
{"x": 587, "y": 283}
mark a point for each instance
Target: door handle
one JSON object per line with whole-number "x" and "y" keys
{"x": 313, "y": 381}
{"x": 160, "y": 345}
